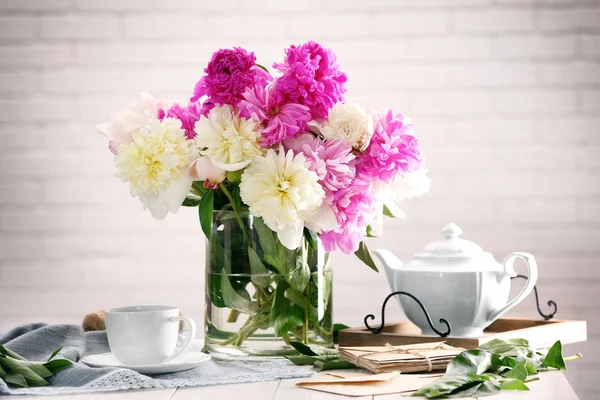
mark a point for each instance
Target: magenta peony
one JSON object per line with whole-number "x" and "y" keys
{"x": 330, "y": 159}
{"x": 311, "y": 77}
{"x": 393, "y": 150}
{"x": 278, "y": 121}
{"x": 228, "y": 74}
{"x": 187, "y": 115}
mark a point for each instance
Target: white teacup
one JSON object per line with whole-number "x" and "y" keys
{"x": 146, "y": 334}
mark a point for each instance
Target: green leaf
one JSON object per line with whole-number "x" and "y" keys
{"x": 280, "y": 302}
{"x": 513, "y": 384}
{"x": 261, "y": 67}
{"x": 237, "y": 199}
{"x": 260, "y": 275}
{"x": 370, "y": 233}
{"x": 10, "y": 353}
{"x": 205, "y": 211}
{"x": 214, "y": 290}
{"x": 191, "y": 201}
{"x": 233, "y": 299}
{"x": 508, "y": 347}
{"x": 554, "y": 358}
{"x": 299, "y": 276}
{"x": 311, "y": 238}
{"x": 302, "y": 360}
{"x": 470, "y": 362}
{"x": 15, "y": 379}
{"x": 389, "y": 213}
{"x": 2, "y": 371}
{"x": 365, "y": 256}
{"x": 199, "y": 189}
{"x": 34, "y": 375}
{"x": 303, "y": 349}
{"x": 458, "y": 386}
{"x": 289, "y": 318}
{"x": 519, "y": 371}
{"x": 54, "y": 353}
{"x": 267, "y": 241}
{"x": 310, "y": 360}
{"x": 336, "y": 331}
{"x": 55, "y": 366}
{"x": 36, "y": 367}
{"x": 333, "y": 364}
{"x": 530, "y": 367}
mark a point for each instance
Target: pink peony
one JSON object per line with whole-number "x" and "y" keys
{"x": 332, "y": 160}
{"x": 393, "y": 150}
{"x": 187, "y": 115}
{"x": 278, "y": 121}
{"x": 347, "y": 242}
{"x": 354, "y": 208}
{"x": 228, "y": 74}
{"x": 311, "y": 77}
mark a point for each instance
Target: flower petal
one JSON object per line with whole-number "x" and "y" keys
{"x": 290, "y": 236}
{"x": 323, "y": 220}
{"x": 232, "y": 167}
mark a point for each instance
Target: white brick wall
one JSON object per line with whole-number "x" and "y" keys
{"x": 505, "y": 95}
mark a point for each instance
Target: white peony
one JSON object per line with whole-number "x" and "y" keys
{"x": 281, "y": 189}
{"x": 156, "y": 165}
{"x": 390, "y": 195}
{"x": 349, "y": 121}
{"x": 228, "y": 139}
{"x": 409, "y": 185}
{"x": 130, "y": 120}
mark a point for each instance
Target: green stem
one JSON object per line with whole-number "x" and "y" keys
{"x": 236, "y": 211}
{"x": 575, "y": 357}
{"x": 251, "y": 323}
{"x": 305, "y": 327}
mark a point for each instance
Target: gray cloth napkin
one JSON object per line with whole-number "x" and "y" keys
{"x": 37, "y": 341}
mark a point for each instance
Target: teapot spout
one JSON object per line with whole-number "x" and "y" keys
{"x": 390, "y": 263}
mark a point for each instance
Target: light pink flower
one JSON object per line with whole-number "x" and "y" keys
{"x": 332, "y": 160}
{"x": 354, "y": 208}
{"x": 393, "y": 150}
{"x": 278, "y": 120}
{"x": 205, "y": 170}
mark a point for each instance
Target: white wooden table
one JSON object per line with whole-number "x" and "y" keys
{"x": 552, "y": 385}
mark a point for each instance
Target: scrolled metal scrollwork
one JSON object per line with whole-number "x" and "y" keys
{"x": 551, "y": 303}
{"x": 380, "y": 328}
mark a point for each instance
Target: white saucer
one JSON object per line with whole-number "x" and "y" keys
{"x": 185, "y": 361}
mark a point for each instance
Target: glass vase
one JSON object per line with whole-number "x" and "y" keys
{"x": 260, "y": 296}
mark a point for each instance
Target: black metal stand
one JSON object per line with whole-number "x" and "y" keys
{"x": 378, "y": 330}
{"x": 550, "y": 303}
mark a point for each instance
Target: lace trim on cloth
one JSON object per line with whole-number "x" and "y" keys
{"x": 224, "y": 373}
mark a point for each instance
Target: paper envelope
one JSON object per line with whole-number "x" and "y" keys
{"x": 360, "y": 383}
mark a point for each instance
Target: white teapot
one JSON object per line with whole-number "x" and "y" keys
{"x": 457, "y": 281}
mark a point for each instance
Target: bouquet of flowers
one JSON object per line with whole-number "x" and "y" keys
{"x": 286, "y": 149}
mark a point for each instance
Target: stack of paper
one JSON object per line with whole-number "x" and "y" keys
{"x": 424, "y": 357}
{"x": 363, "y": 383}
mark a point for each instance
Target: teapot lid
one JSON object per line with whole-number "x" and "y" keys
{"x": 451, "y": 245}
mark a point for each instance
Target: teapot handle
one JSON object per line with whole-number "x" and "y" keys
{"x": 509, "y": 269}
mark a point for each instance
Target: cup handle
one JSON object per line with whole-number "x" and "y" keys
{"x": 190, "y": 338}
{"x": 509, "y": 269}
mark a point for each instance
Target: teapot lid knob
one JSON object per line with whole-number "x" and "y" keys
{"x": 451, "y": 231}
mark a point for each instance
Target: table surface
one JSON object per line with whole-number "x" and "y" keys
{"x": 552, "y": 385}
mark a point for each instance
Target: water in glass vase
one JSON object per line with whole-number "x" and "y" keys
{"x": 260, "y": 295}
